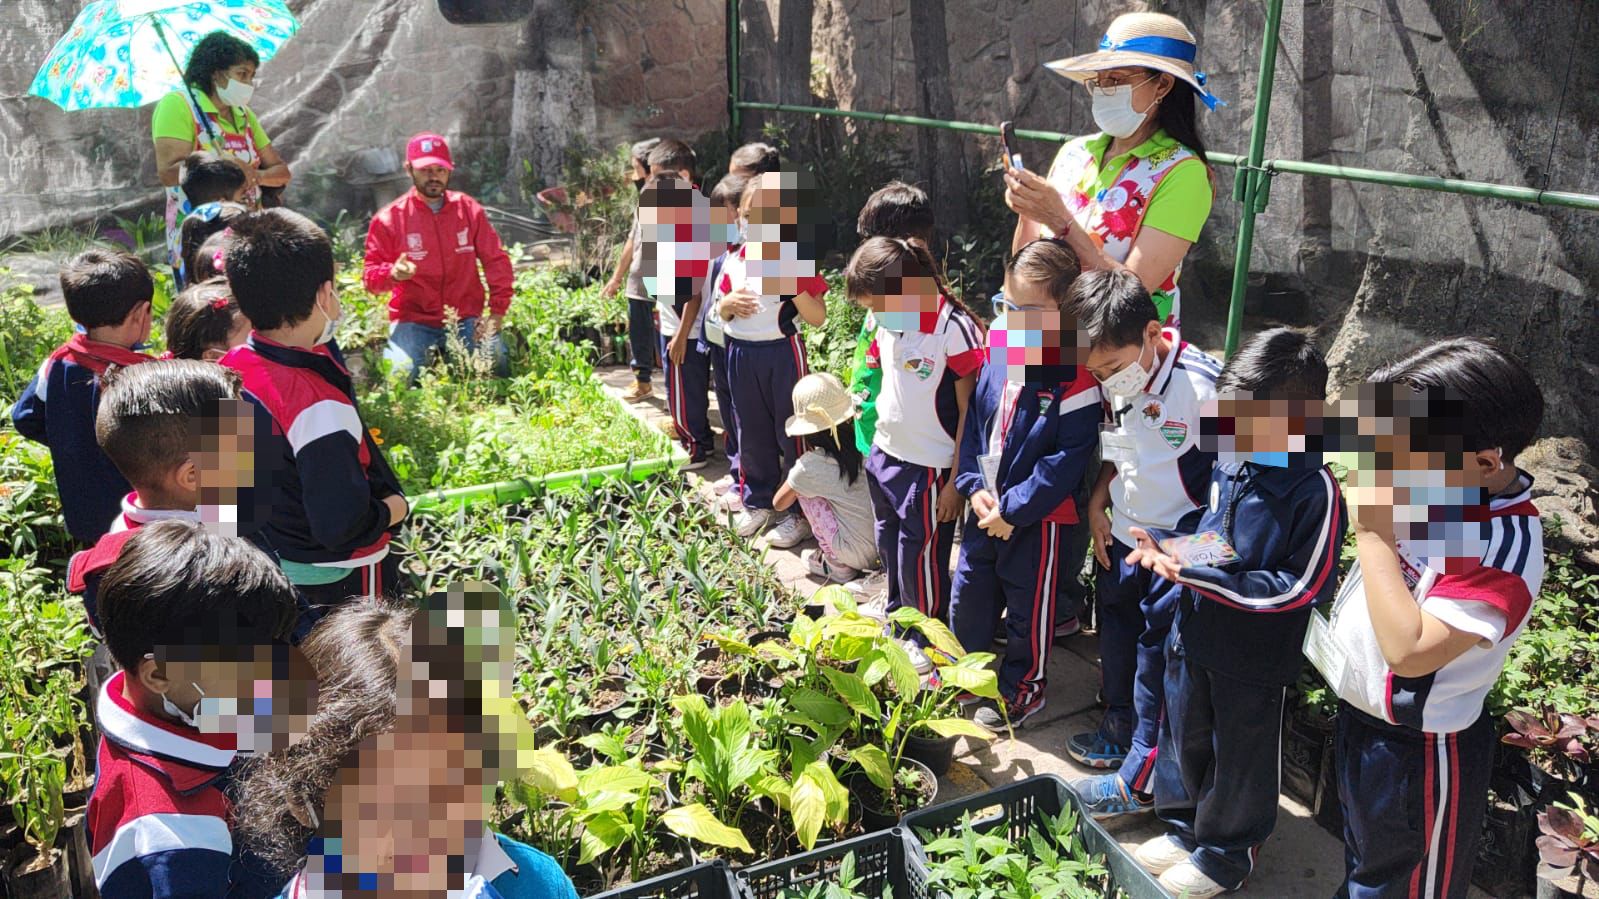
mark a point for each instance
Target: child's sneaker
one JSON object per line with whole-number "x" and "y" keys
{"x": 816, "y": 563}
{"x": 1185, "y": 879}
{"x": 639, "y": 391}
{"x": 1067, "y": 628}
{"x": 1106, "y": 796}
{"x": 991, "y": 717}
{"x": 723, "y": 484}
{"x": 698, "y": 462}
{"x": 1095, "y": 750}
{"x": 791, "y": 531}
{"x": 1161, "y": 853}
{"x": 918, "y": 657}
{"x": 875, "y": 606}
{"x": 730, "y": 501}
{"x": 749, "y": 522}
{"x": 967, "y": 700}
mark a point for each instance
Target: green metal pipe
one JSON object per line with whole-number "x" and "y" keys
{"x": 734, "y": 107}
{"x": 1252, "y": 174}
{"x": 505, "y": 492}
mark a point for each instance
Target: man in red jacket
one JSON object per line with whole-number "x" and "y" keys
{"x": 425, "y": 247}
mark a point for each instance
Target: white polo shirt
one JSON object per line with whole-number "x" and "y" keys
{"x": 775, "y": 319}
{"x": 916, "y": 409}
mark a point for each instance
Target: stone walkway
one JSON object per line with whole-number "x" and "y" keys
{"x": 1302, "y": 860}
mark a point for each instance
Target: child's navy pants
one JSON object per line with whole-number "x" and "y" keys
{"x": 1021, "y": 577}
{"x": 1136, "y": 608}
{"x": 914, "y": 545}
{"x": 762, "y": 374}
{"x": 686, "y": 397}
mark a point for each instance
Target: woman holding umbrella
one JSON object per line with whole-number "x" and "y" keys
{"x": 211, "y": 111}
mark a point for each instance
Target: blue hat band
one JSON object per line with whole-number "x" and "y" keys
{"x": 1171, "y": 48}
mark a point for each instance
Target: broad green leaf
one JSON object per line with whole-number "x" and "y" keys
{"x": 732, "y": 646}
{"x": 873, "y": 667}
{"x": 805, "y": 633}
{"x": 855, "y": 693}
{"x": 603, "y": 833}
{"x": 551, "y": 774}
{"x": 615, "y": 777}
{"x": 852, "y": 649}
{"x": 956, "y": 727}
{"x": 852, "y": 626}
{"x": 837, "y": 797}
{"x": 695, "y": 822}
{"x": 901, "y": 670}
{"x": 835, "y": 597}
{"x": 605, "y": 801}
{"x": 818, "y": 706}
{"x": 978, "y": 682}
{"x": 874, "y": 761}
{"x": 774, "y": 788}
{"x": 809, "y": 809}
{"x": 695, "y": 718}
{"x": 941, "y": 637}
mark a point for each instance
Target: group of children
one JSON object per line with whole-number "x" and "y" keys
{"x": 1215, "y": 521}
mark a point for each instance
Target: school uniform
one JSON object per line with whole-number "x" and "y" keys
{"x": 57, "y": 409}
{"x": 1162, "y": 481}
{"x": 688, "y": 383}
{"x": 765, "y": 357}
{"x": 159, "y": 817}
{"x": 1043, "y": 436}
{"x": 1413, "y": 754}
{"x": 714, "y": 345}
{"x": 1233, "y": 652}
{"x": 913, "y": 451}
{"x": 327, "y": 519}
{"x": 641, "y": 340}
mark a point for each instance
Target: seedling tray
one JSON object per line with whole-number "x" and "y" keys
{"x": 881, "y": 858}
{"x": 710, "y": 880}
{"x": 1014, "y": 808}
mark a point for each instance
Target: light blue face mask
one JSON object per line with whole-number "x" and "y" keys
{"x": 899, "y": 320}
{"x": 1278, "y": 459}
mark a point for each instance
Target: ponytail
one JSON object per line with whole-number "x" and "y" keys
{"x": 880, "y": 258}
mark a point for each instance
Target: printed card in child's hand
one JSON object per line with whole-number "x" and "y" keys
{"x": 989, "y": 463}
{"x": 1205, "y": 549}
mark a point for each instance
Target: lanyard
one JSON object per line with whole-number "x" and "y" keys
{"x": 1007, "y": 412}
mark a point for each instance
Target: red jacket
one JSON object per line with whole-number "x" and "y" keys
{"x": 446, "y": 247}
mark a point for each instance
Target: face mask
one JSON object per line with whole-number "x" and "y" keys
{"x": 1129, "y": 381}
{"x": 235, "y": 93}
{"x": 1277, "y": 459}
{"x": 1114, "y": 113}
{"x": 331, "y": 328}
{"x": 901, "y": 321}
{"x": 190, "y": 716}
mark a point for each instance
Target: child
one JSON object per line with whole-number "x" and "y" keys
{"x": 825, "y": 481}
{"x": 768, "y": 285}
{"x": 1154, "y": 474}
{"x": 204, "y": 322}
{"x": 1032, "y": 424}
{"x": 210, "y": 258}
{"x": 215, "y": 187}
{"x": 108, "y": 294}
{"x": 640, "y": 308}
{"x": 1241, "y": 622}
{"x": 201, "y": 239}
{"x": 724, "y": 212}
{"x": 896, "y": 209}
{"x": 196, "y": 623}
{"x": 1448, "y": 558}
{"x": 391, "y": 790}
{"x": 932, "y": 347}
{"x": 336, "y": 501}
{"x": 754, "y": 159}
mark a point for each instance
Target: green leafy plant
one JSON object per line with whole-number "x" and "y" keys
{"x": 1051, "y": 861}
{"x": 723, "y": 771}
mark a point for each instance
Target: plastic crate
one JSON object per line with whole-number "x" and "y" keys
{"x": 882, "y": 858}
{"x": 710, "y": 880}
{"x": 1014, "y": 808}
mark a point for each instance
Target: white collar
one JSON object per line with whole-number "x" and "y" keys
{"x": 137, "y": 514}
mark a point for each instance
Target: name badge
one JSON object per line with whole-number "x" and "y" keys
{"x": 1116, "y": 446}
{"x": 713, "y": 329}
{"x": 989, "y": 464}
{"x": 1325, "y": 653}
{"x": 1206, "y": 549}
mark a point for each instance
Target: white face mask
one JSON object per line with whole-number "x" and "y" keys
{"x": 1114, "y": 112}
{"x": 1129, "y": 381}
{"x": 331, "y": 328}
{"x": 236, "y": 93}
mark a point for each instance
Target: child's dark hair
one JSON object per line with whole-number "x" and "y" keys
{"x": 208, "y": 178}
{"x": 844, "y": 451}
{"x": 757, "y": 158}
{"x": 196, "y": 231}
{"x": 177, "y": 584}
{"x": 210, "y": 259}
{"x": 1280, "y": 363}
{"x": 149, "y": 417}
{"x": 880, "y": 262}
{"x": 102, "y": 286}
{"x": 730, "y": 190}
{"x": 1048, "y": 263}
{"x": 277, "y": 261}
{"x": 640, "y": 152}
{"x": 201, "y": 317}
{"x": 897, "y": 209}
{"x": 1111, "y": 307}
{"x": 1492, "y": 398}
{"x": 673, "y": 155}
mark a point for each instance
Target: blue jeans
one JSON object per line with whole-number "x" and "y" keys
{"x": 411, "y": 344}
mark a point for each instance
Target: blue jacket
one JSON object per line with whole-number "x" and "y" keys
{"x": 1048, "y": 443}
{"x": 1247, "y": 618}
{"x": 57, "y": 409}
{"x": 702, "y": 344}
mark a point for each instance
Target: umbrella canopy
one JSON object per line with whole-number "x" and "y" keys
{"x": 126, "y": 53}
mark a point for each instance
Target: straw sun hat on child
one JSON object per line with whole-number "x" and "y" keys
{"x": 820, "y": 404}
{"x": 1144, "y": 39}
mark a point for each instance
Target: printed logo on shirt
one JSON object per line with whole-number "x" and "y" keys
{"x": 413, "y": 242}
{"x": 1152, "y": 413}
{"x": 922, "y": 368}
{"x": 460, "y": 236}
{"x": 1175, "y": 433}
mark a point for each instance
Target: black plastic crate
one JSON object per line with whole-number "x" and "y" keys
{"x": 1014, "y": 808}
{"x": 881, "y": 858}
{"x": 710, "y": 880}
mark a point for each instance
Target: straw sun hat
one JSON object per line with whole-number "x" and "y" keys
{"x": 1146, "y": 39}
{"x": 820, "y": 404}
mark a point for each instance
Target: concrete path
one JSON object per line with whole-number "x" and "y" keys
{"x": 1302, "y": 860}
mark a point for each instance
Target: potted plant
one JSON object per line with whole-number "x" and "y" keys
{"x": 35, "y": 776}
{"x": 1569, "y": 851}
{"x": 1051, "y": 861}
{"x": 725, "y": 773}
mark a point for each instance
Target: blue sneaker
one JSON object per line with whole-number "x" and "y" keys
{"x": 1096, "y": 750}
{"x": 1106, "y": 796}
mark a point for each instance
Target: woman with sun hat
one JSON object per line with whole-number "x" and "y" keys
{"x": 1136, "y": 194}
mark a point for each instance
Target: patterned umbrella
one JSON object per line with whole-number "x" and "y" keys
{"x": 126, "y": 53}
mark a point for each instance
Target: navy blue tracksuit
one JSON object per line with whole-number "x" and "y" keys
{"x": 686, "y": 396}
{"x": 762, "y": 374}
{"x": 716, "y": 354}
{"x": 1232, "y": 653}
{"x": 1045, "y": 434}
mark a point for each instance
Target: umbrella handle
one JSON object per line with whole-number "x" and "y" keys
{"x": 187, "y": 88}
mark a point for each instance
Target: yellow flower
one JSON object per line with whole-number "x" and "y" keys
{"x": 376, "y": 435}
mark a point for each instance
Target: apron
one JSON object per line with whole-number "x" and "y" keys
{"x": 1113, "y": 217}
{"x": 208, "y": 135}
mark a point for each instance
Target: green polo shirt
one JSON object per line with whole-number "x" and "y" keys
{"x": 173, "y": 120}
{"x": 1182, "y": 199}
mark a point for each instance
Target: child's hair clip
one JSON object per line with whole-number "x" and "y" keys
{"x": 166, "y": 356}
{"x": 220, "y": 302}
{"x": 218, "y": 261}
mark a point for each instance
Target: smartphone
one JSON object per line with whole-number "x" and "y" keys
{"x": 1007, "y": 143}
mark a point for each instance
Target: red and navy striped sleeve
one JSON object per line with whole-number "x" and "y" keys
{"x": 966, "y": 347}
{"x": 1047, "y": 491}
{"x": 152, "y": 841}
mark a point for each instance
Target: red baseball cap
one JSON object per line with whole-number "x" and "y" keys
{"x": 428, "y": 149}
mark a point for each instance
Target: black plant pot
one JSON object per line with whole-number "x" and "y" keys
{"x": 1506, "y": 851}
{"x": 873, "y": 816}
{"x": 936, "y": 752}
{"x": 24, "y": 879}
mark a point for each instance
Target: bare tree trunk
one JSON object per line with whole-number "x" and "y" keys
{"x": 794, "y": 51}
{"x": 942, "y": 158}
{"x": 553, "y": 100}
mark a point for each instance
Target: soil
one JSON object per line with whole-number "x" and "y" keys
{"x": 910, "y": 798}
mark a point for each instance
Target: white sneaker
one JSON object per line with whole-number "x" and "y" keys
{"x": 729, "y": 502}
{"x": 791, "y": 531}
{"x": 876, "y": 607}
{"x": 923, "y": 664}
{"x": 723, "y": 484}
{"x": 1183, "y": 879}
{"x": 816, "y": 563}
{"x": 1161, "y": 854}
{"x": 749, "y": 522}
